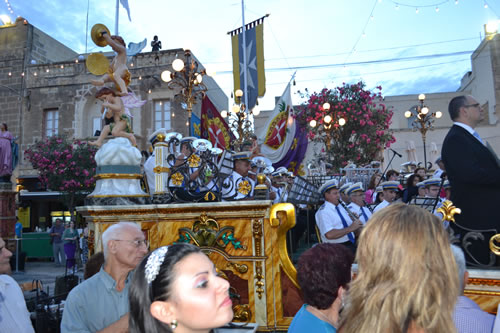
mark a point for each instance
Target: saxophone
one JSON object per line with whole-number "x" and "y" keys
{"x": 351, "y": 214}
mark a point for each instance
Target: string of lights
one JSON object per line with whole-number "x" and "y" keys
{"x": 436, "y": 4}
{"x": 9, "y": 7}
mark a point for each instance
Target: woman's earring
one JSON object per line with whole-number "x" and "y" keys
{"x": 173, "y": 324}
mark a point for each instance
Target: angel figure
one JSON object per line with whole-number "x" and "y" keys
{"x": 118, "y": 71}
{"x": 117, "y": 110}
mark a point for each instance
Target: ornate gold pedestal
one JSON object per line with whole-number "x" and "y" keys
{"x": 483, "y": 288}
{"x": 246, "y": 240}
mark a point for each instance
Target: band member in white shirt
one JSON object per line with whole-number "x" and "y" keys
{"x": 356, "y": 194}
{"x": 389, "y": 189}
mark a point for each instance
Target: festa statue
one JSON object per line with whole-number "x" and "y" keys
{"x": 116, "y": 104}
{"x": 117, "y": 71}
{"x": 118, "y": 171}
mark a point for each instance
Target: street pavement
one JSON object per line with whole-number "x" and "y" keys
{"x": 45, "y": 271}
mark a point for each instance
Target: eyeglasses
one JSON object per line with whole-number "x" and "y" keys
{"x": 137, "y": 243}
{"x": 472, "y": 105}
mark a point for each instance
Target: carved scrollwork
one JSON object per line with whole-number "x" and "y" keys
{"x": 259, "y": 276}
{"x": 207, "y": 232}
{"x": 494, "y": 247}
{"x": 242, "y": 313}
{"x": 240, "y": 268}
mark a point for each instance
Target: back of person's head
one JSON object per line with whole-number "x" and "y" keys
{"x": 406, "y": 275}
{"x": 105, "y": 91}
{"x": 118, "y": 39}
{"x": 391, "y": 173}
{"x": 93, "y": 265}
{"x": 321, "y": 270}
{"x": 115, "y": 232}
{"x": 454, "y": 107}
{"x": 458, "y": 254}
{"x": 411, "y": 179}
{"x": 373, "y": 181}
{"x": 143, "y": 293}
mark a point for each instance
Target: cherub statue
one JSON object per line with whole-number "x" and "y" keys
{"x": 118, "y": 71}
{"x": 114, "y": 108}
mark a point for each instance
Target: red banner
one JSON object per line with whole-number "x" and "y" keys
{"x": 213, "y": 127}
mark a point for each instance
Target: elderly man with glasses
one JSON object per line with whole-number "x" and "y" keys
{"x": 100, "y": 304}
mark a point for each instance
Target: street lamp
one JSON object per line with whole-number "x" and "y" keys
{"x": 331, "y": 122}
{"x": 239, "y": 118}
{"x": 188, "y": 77}
{"x": 423, "y": 120}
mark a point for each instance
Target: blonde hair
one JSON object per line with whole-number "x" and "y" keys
{"x": 406, "y": 275}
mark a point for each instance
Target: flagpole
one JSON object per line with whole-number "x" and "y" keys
{"x": 116, "y": 16}
{"x": 87, "y": 27}
{"x": 245, "y": 84}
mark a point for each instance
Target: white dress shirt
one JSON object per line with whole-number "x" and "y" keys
{"x": 381, "y": 205}
{"x": 327, "y": 218}
{"x": 14, "y": 316}
{"x": 357, "y": 209}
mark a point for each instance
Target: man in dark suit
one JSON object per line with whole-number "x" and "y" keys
{"x": 474, "y": 174}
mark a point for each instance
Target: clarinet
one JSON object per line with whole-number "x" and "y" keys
{"x": 352, "y": 215}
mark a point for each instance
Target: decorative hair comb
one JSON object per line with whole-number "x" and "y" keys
{"x": 154, "y": 262}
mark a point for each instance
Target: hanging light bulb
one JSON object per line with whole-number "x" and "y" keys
{"x": 439, "y": 114}
{"x": 312, "y": 123}
{"x": 341, "y": 121}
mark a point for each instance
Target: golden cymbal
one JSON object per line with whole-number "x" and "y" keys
{"x": 96, "y": 34}
{"x": 97, "y": 63}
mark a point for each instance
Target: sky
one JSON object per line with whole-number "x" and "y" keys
{"x": 406, "y": 46}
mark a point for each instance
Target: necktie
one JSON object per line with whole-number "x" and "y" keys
{"x": 344, "y": 223}
{"x": 364, "y": 214}
{"x": 476, "y": 135}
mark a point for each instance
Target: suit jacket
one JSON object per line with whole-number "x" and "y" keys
{"x": 474, "y": 176}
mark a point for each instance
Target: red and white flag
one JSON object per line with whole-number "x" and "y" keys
{"x": 213, "y": 127}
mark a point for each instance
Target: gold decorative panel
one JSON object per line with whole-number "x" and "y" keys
{"x": 244, "y": 240}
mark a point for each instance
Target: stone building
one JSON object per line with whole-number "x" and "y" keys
{"x": 483, "y": 82}
{"x": 45, "y": 90}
